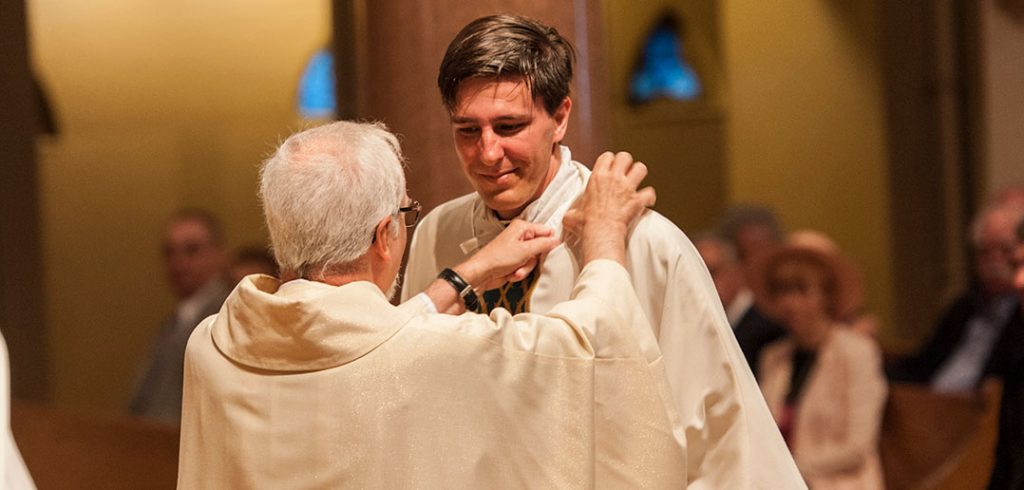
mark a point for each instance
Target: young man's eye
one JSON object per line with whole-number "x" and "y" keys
{"x": 510, "y": 128}
{"x": 468, "y": 130}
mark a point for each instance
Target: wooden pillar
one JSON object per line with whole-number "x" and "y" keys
{"x": 21, "y": 287}
{"x": 931, "y": 172}
{"x": 388, "y": 57}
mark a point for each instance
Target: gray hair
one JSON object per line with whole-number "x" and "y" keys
{"x": 714, "y": 238}
{"x": 744, "y": 215}
{"x": 323, "y": 192}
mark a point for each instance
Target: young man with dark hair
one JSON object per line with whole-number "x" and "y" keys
{"x": 505, "y": 82}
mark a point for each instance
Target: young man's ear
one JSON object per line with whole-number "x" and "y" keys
{"x": 561, "y": 117}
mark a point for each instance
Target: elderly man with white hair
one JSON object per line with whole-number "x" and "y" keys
{"x": 961, "y": 351}
{"x": 316, "y": 380}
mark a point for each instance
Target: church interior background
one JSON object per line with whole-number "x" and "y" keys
{"x": 884, "y": 124}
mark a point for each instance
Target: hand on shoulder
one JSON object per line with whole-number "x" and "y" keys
{"x": 601, "y": 217}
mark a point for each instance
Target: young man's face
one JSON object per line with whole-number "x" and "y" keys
{"x": 506, "y": 141}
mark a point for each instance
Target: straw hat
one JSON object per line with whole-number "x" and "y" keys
{"x": 847, "y": 298}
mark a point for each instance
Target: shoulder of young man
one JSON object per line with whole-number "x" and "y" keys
{"x": 657, "y": 236}
{"x": 452, "y": 209}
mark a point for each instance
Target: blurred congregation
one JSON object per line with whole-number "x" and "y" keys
{"x": 850, "y": 172}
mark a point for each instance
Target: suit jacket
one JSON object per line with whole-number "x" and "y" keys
{"x": 730, "y": 438}
{"x": 950, "y": 331}
{"x": 753, "y": 332}
{"x": 1008, "y": 471}
{"x": 838, "y": 416}
{"x": 307, "y": 385}
{"x": 158, "y": 395}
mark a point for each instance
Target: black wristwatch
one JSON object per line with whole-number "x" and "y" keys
{"x": 465, "y": 291}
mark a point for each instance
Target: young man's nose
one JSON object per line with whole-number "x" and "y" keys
{"x": 491, "y": 150}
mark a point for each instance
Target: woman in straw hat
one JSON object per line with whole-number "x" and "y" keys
{"x": 823, "y": 382}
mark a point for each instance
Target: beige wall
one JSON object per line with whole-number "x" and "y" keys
{"x": 160, "y": 105}
{"x": 806, "y": 115}
{"x": 682, "y": 142}
{"x": 1002, "y": 73}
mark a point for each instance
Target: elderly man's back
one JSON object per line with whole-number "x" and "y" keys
{"x": 310, "y": 385}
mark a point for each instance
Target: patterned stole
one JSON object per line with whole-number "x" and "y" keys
{"x": 514, "y": 296}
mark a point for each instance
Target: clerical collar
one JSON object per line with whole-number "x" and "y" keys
{"x": 547, "y": 210}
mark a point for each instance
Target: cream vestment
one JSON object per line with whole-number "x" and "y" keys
{"x": 13, "y": 473}
{"x": 306, "y": 385}
{"x": 731, "y": 440}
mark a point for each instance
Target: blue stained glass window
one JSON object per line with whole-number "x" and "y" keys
{"x": 662, "y": 71}
{"x": 316, "y": 87}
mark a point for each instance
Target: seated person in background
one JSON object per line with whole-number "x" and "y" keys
{"x": 823, "y": 383}
{"x": 959, "y": 352}
{"x": 1008, "y": 471}
{"x": 249, "y": 260}
{"x": 195, "y": 259}
{"x": 858, "y": 318}
{"x": 754, "y": 232}
{"x": 753, "y": 330}
{"x": 317, "y": 380}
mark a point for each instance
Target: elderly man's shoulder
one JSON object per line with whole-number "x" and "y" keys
{"x": 201, "y": 340}
{"x": 500, "y": 332}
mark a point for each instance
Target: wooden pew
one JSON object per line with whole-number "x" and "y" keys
{"x": 69, "y": 450}
{"x": 939, "y": 441}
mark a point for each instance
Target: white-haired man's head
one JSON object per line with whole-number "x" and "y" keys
{"x": 328, "y": 194}
{"x": 993, "y": 241}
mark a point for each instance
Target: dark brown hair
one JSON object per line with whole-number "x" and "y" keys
{"x": 509, "y": 46}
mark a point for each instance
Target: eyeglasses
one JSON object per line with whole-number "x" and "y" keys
{"x": 412, "y": 213}
{"x": 412, "y": 216}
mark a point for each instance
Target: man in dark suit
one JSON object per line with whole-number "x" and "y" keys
{"x": 753, "y": 330}
{"x": 195, "y": 261}
{"x": 1008, "y": 471}
{"x": 960, "y": 352}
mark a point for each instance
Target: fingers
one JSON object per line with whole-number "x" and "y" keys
{"x": 540, "y": 245}
{"x": 636, "y": 174}
{"x": 523, "y": 270}
{"x": 604, "y": 161}
{"x": 621, "y": 163}
{"x": 572, "y": 219}
{"x": 528, "y": 231}
{"x": 647, "y": 197}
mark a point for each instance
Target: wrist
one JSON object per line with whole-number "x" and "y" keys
{"x": 462, "y": 287}
{"x": 607, "y": 241}
{"x": 604, "y": 227}
{"x": 470, "y": 273}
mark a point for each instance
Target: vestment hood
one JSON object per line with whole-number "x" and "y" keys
{"x": 303, "y": 325}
